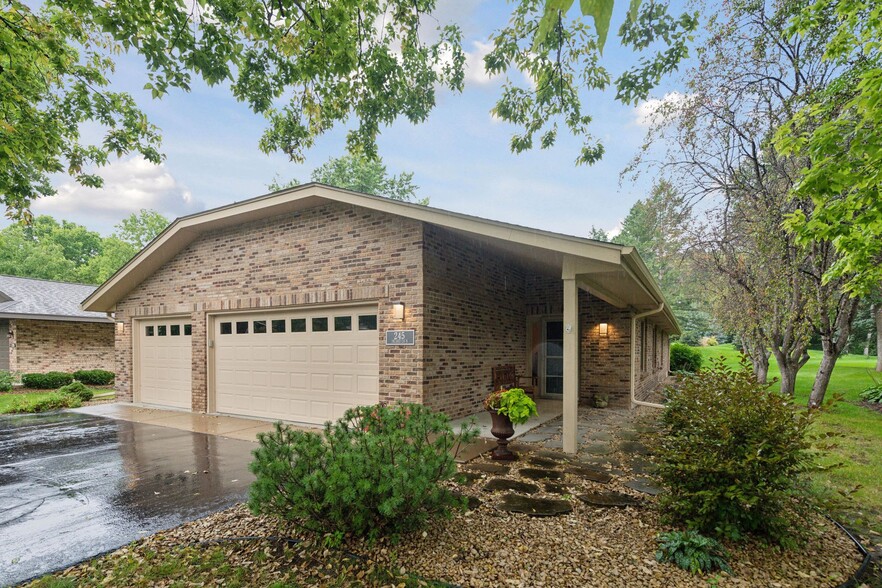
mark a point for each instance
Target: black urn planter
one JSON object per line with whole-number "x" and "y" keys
{"x": 502, "y": 429}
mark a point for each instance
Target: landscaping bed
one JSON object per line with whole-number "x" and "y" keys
{"x": 590, "y": 546}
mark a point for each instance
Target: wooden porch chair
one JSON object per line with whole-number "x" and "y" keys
{"x": 506, "y": 376}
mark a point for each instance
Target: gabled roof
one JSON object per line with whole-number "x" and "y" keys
{"x": 611, "y": 271}
{"x": 35, "y": 299}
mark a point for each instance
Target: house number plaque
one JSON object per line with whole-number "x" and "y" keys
{"x": 406, "y": 337}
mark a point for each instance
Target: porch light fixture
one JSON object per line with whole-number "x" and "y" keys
{"x": 398, "y": 311}
{"x": 120, "y": 326}
{"x": 604, "y": 329}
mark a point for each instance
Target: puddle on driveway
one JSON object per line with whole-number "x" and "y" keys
{"x": 73, "y": 486}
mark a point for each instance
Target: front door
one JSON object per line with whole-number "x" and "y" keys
{"x": 552, "y": 358}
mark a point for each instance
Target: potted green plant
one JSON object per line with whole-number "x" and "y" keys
{"x": 507, "y": 408}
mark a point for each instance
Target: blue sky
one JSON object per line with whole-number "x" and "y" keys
{"x": 460, "y": 157}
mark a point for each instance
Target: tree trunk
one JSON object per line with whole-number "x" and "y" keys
{"x": 869, "y": 333}
{"x": 822, "y": 380}
{"x": 879, "y": 337}
{"x": 788, "y": 379}
{"x": 834, "y": 339}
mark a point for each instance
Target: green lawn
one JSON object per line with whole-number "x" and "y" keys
{"x": 859, "y": 447}
{"x": 8, "y": 399}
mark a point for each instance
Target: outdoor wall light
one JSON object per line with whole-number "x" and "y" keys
{"x": 604, "y": 329}
{"x": 398, "y": 311}
{"x": 120, "y": 326}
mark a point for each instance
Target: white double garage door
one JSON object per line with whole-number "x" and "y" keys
{"x": 296, "y": 365}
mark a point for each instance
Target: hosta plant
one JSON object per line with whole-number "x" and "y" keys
{"x": 692, "y": 551}
{"x": 873, "y": 393}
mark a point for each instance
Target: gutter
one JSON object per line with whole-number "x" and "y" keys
{"x": 634, "y": 318}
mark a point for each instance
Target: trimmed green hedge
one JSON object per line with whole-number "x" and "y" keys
{"x": 685, "y": 359}
{"x": 47, "y": 381}
{"x": 94, "y": 377}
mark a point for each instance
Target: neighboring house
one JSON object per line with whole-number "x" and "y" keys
{"x": 42, "y": 328}
{"x": 299, "y": 304}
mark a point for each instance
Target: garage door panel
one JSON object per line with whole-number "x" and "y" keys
{"x": 297, "y": 374}
{"x": 164, "y": 363}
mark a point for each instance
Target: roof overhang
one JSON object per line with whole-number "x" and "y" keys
{"x": 55, "y": 317}
{"x": 618, "y": 268}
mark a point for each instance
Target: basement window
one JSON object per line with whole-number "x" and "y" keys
{"x": 176, "y": 330}
{"x": 342, "y": 323}
{"x": 161, "y": 330}
{"x": 279, "y": 326}
{"x": 242, "y": 327}
{"x": 226, "y": 328}
{"x": 148, "y": 331}
{"x": 298, "y": 325}
{"x": 260, "y": 326}
{"x": 319, "y": 325}
{"x": 367, "y": 322}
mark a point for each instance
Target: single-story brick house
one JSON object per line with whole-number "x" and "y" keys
{"x": 43, "y": 328}
{"x": 298, "y": 304}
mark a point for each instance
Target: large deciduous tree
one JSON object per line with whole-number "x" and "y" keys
{"x": 752, "y": 77}
{"x": 304, "y": 65}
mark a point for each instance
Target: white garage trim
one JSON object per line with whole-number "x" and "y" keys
{"x": 173, "y": 382}
{"x": 304, "y": 364}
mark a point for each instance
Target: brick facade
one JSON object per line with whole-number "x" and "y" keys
{"x": 62, "y": 346}
{"x": 470, "y": 304}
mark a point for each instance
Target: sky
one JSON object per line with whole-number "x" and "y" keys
{"x": 460, "y": 156}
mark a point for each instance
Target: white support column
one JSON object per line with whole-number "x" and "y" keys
{"x": 570, "y": 362}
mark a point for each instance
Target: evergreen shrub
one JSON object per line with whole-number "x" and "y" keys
{"x": 77, "y": 389}
{"x": 47, "y": 381}
{"x": 377, "y": 471}
{"x": 94, "y": 377}
{"x": 685, "y": 359}
{"x": 734, "y": 455}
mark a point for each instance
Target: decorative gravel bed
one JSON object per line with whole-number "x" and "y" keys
{"x": 589, "y": 546}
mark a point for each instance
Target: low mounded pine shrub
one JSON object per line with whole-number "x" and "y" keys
{"x": 733, "y": 457}
{"x": 685, "y": 359}
{"x": 377, "y": 471}
{"x": 77, "y": 389}
{"x": 94, "y": 377}
{"x": 692, "y": 551}
{"x": 47, "y": 381}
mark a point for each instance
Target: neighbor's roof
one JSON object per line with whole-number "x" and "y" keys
{"x": 610, "y": 271}
{"x": 31, "y": 298}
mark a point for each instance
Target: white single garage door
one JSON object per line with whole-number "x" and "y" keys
{"x": 164, "y": 366}
{"x": 302, "y": 366}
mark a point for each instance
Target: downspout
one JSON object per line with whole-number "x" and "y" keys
{"x": 634, "y": 318}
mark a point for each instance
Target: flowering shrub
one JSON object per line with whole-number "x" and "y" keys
{"x": 377, "y": 471}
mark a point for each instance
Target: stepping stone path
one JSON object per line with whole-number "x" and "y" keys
{"x": 499, "y": 484}
{"x": 606, "y": 462}
{"x": 598, "y": 449}
{"x": 555, "y": 488}
{"x": 642, "y": 466}
{"x": 556, "y": 455}
{"x": 599, "y": 436}
{"x": 538, "y": 474}
{"x": 543, "y": 462}
{"x": 628, "y": 435}
{"x": 537, "y": 507}
{"x": 472, "y": 502}
{"x": 590, "y": 474}
{"x": 634, "y": 447}
{"x": 469, "y": 478}
{"x": 489, "y": 468}
{"x": 608, "y": 499}
{"x": 644, "y": 485}
{"x": 534, "y": 437}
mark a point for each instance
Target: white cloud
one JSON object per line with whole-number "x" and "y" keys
{"x": 650, "y": 111}
{"x": 129, "y": 185}
{"x": 474, "y": 64}
{"x": 615, "y": 231}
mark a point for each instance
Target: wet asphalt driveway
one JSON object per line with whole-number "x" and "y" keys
{"x": 75, "y": 485}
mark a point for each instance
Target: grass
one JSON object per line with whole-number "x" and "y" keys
{"x": 857, "y": 449}
{"x": 39, "y": 401}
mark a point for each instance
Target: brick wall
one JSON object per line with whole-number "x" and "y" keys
{"x": 327, "y": 254}
{"x": 475, "y": 320}
{"x": 652, "y": 361}
{"x": 43, "y": 346}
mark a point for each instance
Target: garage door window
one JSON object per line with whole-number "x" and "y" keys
{"x": 176, "y": 330}
{"x": 188, "y": 330}
{"x": 242, "y": 328}
{"x": 161, "y": 330}
{"x": 148, "y": 331}
{"x": 319, "y": 325}
{"x": 226, "y": 328}
{"x": 342, "y": 323}
{"x": 279, "y": 326}
{"x": 367, "y": 322}
{"x": 298, "y": 325}
{"x": 260, "y": 326}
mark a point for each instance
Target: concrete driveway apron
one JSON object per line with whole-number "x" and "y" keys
{"x": 76, "y": 485}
